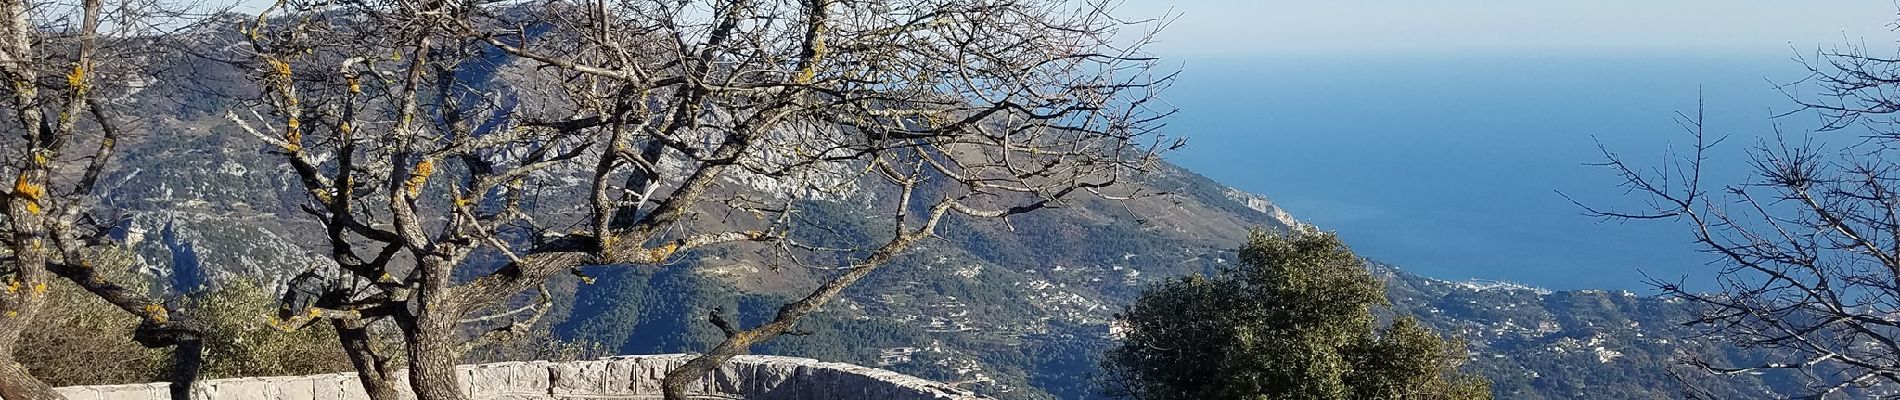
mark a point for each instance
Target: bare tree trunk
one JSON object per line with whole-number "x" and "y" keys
{"x": 17, "y": 384}
{"x": 432, "y": 356}
{"x": 187, "y": 360}
{"x": 372, "y": 370}
{"x": 187, "y": 342}
{"x": 673, "y": 386}
{"x": 23, "y": 294}
{"x": 25, "y": 206}
{"x": 16, "y": 315}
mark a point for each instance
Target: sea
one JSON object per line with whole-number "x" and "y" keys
{"x": 1458, "y": 166}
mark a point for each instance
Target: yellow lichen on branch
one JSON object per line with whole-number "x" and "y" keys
{"x": 293, "y": 126}
{"x": 77, "y": 79}
{"x": 806, "y": 75}
{"x": 808, "y": 68}
{"x": 659, "y": 254}
{"x": 279, "y": 66}
{"x": 293, "y": 134}
{"x": 156, "y": 313}
{"x": 419, "y": 177}
{"x": 31, "y": 192}
{"x": 24, "y": 187}
{"x": 817, "y": 54}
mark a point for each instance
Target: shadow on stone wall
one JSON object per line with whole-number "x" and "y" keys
{"x": 625, "y": 377}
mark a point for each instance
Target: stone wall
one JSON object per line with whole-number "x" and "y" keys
{"x": 626, "y": 377}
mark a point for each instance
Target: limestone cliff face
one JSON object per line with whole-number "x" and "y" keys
{"x": 1272, "y": 211}
{"x": 626, "y": 377}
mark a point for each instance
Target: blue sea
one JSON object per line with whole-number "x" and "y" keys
{"x": 1450, "y": 167}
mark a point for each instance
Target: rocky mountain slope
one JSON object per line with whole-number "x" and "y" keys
{"x": 1015, "y": 310}
{"x": 1540, "y": 344}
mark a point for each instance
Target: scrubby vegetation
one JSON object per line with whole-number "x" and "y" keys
{"x": 88, "y": 342}
{"x": 1292, "y": 320}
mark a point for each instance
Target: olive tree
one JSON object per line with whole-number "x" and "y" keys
{"x": 460, "y": 155}
{"x": 1292, "y": 320}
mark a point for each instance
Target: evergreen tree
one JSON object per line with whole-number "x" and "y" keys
{"x": 1293, "y": 320}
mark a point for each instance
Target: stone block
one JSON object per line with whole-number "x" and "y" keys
{"x": 515, "y": 397}
{"x": 142, "y": 391}
{"x": 402, "y": 384}
{"x": 242, "y": 388}
{"x": 586, "y": 377}
{"x": 79, "y": 392}
{"x": 203, "y": 389}
{"x": 487, "y": 379}
{"x": 532, "y": 377}
{"x": 292, "y": 388}
{"x": 767, "y": 376}
{"x": 337, "y": 387}
{"x": 642, "y": 376}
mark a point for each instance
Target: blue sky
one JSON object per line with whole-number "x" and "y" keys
{"x": 1246, "y": 28}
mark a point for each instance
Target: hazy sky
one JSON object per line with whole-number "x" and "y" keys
{"x": 1241, "y": 28}
{"x": 1247, "y": 28}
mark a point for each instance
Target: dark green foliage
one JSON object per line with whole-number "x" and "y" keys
{"x": 647, "y": 311}
{"x": 673, "y": 317}
{"x": 843, "y": 340}
{"x": 639, "y": 311}
{"x": 1066, "y": 365}
{"x": 606, "y": 311}
{"x": 1407, "y": 360}
{"x": 1293, "y": 320}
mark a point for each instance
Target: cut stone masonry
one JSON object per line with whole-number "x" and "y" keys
{"x": 624, "y": 377}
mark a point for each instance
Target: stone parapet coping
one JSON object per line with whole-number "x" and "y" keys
{"x": 621, "y": 377}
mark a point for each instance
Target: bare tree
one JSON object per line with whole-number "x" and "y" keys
{"x": 62, "y": 62}
{"x": 1810, "y": 247}
{"x": 444, "y": 144}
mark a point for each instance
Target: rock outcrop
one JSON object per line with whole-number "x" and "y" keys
{"x": 625, "y": 377}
